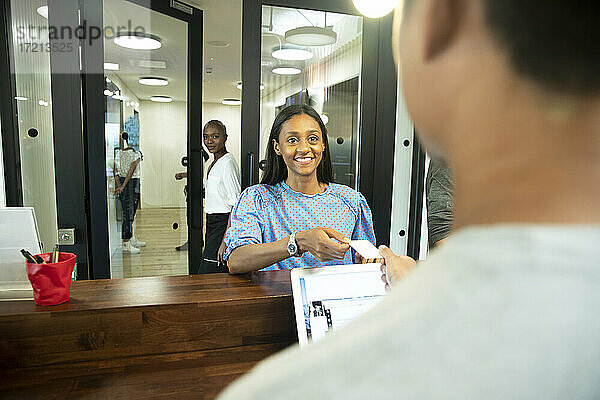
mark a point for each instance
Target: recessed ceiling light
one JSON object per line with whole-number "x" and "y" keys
{"x": 43, "y": 11}
{"x": 291, "y": 54}
{"x": 231, "y": 102}
{"x": 311, "y": 36}
{"x": 150, "y": 81}
{"x": 111, "y": 66}
{"x": 374, "y": 9}
{"x": 286, "y": 70}
{"x": 324, "y": 118}
{"x": 108, "y": 92}
{"x": 218, "y": 43}
{"x": 239, "y": 86}
{"x": 43, "y": 103}
{"x": 21, "y": 98}
{"x": 137, "y": 41}
{"x": 161, "y": 99}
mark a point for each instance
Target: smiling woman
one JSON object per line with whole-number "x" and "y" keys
{"x": 297, "y": 216}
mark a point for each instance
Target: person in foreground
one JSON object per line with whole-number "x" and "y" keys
{"x": 297, "y": 216}
{"x": 509, "y": 93}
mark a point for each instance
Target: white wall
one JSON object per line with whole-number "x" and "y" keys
{"x": 163, "y": 141}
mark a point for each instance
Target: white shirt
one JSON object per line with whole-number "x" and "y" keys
{"x": 497, "y": 312}
{"x": 126, "y": 158}
{"x": 222, "y": 188}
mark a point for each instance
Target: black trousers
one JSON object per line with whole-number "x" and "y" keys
{"x": 216, "y": 225}
{"x": 129, "y": 203}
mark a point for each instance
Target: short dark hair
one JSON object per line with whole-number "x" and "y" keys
{"x": 215, "y": 123}
{"x": 276, "y": 170}
{"x": 553, "y": 42}
{"x": 125, "y": 136}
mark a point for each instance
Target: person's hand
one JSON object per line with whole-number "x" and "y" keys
{"x": 358, "y": 259}
{"x": 221, "y": 252}
{"x": 317, "y": 241}
{"x": 119, "y": 189}
{"x": 394, "y": 266}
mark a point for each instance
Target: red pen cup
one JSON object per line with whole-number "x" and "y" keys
{"x": 51, "y": 282}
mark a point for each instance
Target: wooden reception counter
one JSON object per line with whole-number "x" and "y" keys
{"x": 163, "y": 337}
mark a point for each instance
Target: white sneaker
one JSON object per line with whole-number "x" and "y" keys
{"x": 137, "y": 243}
{"x": 129, "y": 248}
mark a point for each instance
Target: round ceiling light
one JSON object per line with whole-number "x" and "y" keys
{"x": 283, "y": 70}
{"x": 151, "y": 81}
{"x": 291, "y": 54}
{"x": 324, "y": 118}
{"x": 111, "y": 66}
{"x": 239, "y": 86}
{"x": 43, "y": 11}
{"x": 161, "y": 99}
{"x": 311, "y": 36}
{"x": 138, "y": 41}
{"x": 374, "y": 8}
{"x": 231, "y": 102}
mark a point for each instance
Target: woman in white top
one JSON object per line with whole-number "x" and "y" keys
{"x": 127, "y": 179}
{"x": 222, "y": 190}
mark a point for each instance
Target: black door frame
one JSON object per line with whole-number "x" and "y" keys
{"x": 377, "y": 103}
{"x": 93, "y": 87}
{"x": 79, "y": 149}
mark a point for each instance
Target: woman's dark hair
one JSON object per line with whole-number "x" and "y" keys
{"x": 125, "y": 136}
{"x": 216, "y": 124}
{"x": 276, "y": 170}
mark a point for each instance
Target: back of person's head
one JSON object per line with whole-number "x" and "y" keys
{"x": 555, "y": 43}
{"x": 470, "y": 61}
{"x": 125, "y": 136}
{"x": 215, "y": 123}
{"x": 276, "y": 170}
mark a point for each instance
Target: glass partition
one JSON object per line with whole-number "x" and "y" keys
{"x": 146, "y": 97}
{"x": 29, "y": 19}
{"x": 314, "y": 57}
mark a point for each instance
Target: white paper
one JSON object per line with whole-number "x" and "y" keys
{"x": 325, "y": 299}
{"x": 365, "y": 249}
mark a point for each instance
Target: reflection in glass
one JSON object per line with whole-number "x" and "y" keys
{"x": 34, "y": 108}
{"x": 140, "y": 70}
{"x": 314, "y": 57}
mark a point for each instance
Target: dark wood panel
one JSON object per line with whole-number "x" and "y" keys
{"x": 186, "y": 336}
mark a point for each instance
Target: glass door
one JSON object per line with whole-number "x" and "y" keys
{"x": 146, "y": 136}
{"x": 314, "y": 57}
{"x": 326, "y": 55}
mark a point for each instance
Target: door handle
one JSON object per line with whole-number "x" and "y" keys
{"x": 251, "y": 169}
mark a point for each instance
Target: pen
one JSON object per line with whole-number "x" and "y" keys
{"x": 55, "y": 254}
{"x": 39, "y": 259}
{"x": 28, "y": 256}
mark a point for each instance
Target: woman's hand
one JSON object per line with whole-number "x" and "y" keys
{"x": 221, "y": 252}
{"x": 358, "y": 259}
{"x": 394, "y": 266}
{"x": 317, "y": 241}
{"x": 119, "y": 189}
